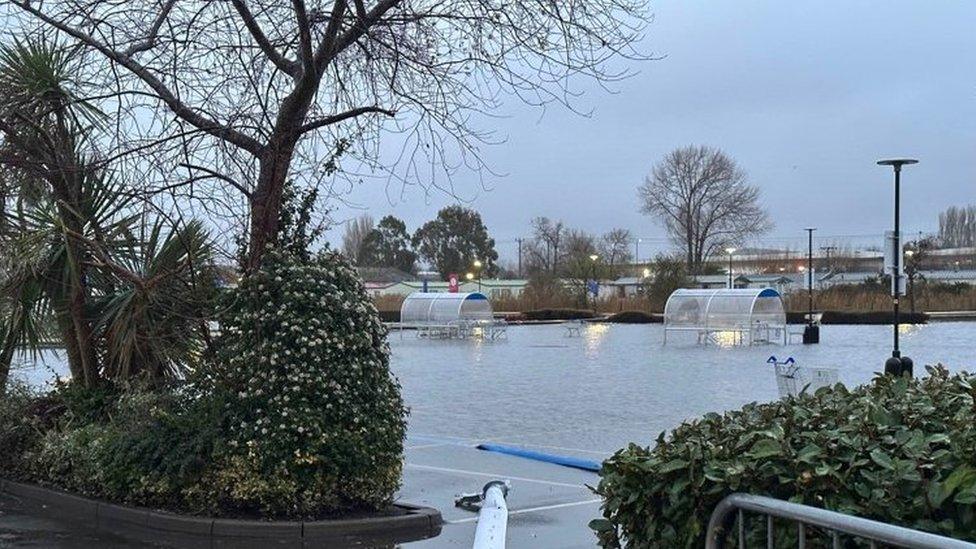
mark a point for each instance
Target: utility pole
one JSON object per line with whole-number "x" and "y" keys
{"x": 637, "y": 251}
{"x": 519, "y": 240}
{"x": 827, "y": 250}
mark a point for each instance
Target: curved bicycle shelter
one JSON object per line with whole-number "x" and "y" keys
{"x": 727, "y": 316}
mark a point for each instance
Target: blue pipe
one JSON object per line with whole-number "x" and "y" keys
{"x": 565, "y": 461}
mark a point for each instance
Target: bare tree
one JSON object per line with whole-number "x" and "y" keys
{"x": 543, "y": 251}
{"x": 231, "y": 98}
{"x": 957, "y": 227}
{"x": 352, "y": 239}
{"x": 702, "y": 198}
{"x": 615, "y": 247}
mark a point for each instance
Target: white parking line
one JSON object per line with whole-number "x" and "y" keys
{"x": 532, "y": 510}
{"x": 491, "y": 475}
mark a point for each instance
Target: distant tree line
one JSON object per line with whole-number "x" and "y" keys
{"x": 957, "y": 227}
{"x": 453, "y": 242}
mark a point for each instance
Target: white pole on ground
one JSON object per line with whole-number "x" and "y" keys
{"x": 493, "y": 517}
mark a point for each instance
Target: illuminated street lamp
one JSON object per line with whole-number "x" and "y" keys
{"x": 897, "y": 364}
{"x": 477, "y": 267}
{"x": 730, "y": 251}
{"x": 647, "y": 272}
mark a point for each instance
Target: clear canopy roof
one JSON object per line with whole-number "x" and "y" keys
{"x": 444, "y": 308}
{"x": 724, "y": 309}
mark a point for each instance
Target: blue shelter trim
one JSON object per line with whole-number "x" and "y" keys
{"x": 768, "y": 292}
{"x": 476, "y": 296}
{"x": 565, "y": 461}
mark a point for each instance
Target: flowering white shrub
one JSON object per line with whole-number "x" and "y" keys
{"x": 315, "y": 416}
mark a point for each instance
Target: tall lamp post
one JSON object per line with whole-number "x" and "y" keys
{"x": 477, "y": 266}
{"x": 811, "y": 334}
{"x": 897, "y": 364}
{"x": 730, "y": 251}
{"x": 593, "y": 259}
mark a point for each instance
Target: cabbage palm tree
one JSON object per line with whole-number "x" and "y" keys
{"x": 77, "y": 262}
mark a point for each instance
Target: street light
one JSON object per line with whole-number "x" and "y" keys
{"x": 730, "y": 251}
{"x": 469, "y": 276}
{"x": 897, "y": 364}
{"x": 647, "y": 272}
{"x": 477, "y": 267}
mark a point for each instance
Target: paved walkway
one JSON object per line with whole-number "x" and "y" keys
{"x": 549, "y": 505}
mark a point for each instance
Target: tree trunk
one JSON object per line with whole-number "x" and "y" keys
{"x": 77, "y": 305}
{"x": 266, "y": 202}
{"x": 67, "y": 330}
{"x": 273, "y": 168}
{"x": 6, "y": 357}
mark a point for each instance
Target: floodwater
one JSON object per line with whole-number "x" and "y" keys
{"x": 616, "y": 384}
{"x": 585, "y": 396}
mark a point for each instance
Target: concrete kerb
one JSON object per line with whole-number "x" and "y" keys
{"x": 408, "y": 523}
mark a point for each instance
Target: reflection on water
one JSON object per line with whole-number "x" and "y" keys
{"x": 907, "y": 329}
{"x": 618, "y": 383}
{"x": 726, "y": 338}
{"x": 595, "y": 335}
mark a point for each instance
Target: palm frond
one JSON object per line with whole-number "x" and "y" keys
{"x": 38, "y": 80}
{"x": 152, "y": 328}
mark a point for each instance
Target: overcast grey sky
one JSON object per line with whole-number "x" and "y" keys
{"x": 805, "y": 95}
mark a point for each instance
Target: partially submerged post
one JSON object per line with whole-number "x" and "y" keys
{"x": 811, "y": 333}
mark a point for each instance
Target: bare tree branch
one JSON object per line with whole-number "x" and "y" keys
{"x": 150, "y": 39}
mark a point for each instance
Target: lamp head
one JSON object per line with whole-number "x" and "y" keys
{"x": 469, "y": 276}
{"x": 477, "y": 263}
{"x": 730, "y": 250}
{"x": 594, "y": 257}
{"x": 897, "y": 163}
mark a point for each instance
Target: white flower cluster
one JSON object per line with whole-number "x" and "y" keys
{"x": 306, "y": 360}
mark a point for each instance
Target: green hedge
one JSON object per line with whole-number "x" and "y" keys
{"x": 872, "y": 317}
{"x": 635, "y": 317}
{"x": 559, "y": 314}
{"x": 898, "y": 450}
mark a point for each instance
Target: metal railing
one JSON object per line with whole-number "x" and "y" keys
{"x": 733, "y": 508}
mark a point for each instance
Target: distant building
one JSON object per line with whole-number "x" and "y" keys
{"x": 491, "y": 287}
{"x": 965, "y": 276}
{"x": 841, "y": 279}
{"x": 384, "y": 274}
{"x": 711, "y": 282}
{"x": 781, "y": 283}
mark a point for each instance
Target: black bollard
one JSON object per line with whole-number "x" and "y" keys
{"x": 811, "y": 334}
{"x": 907, "y": 366}
{"x": 893, "y": 366}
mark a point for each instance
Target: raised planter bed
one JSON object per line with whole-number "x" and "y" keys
{"x": 404, "y": 523}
